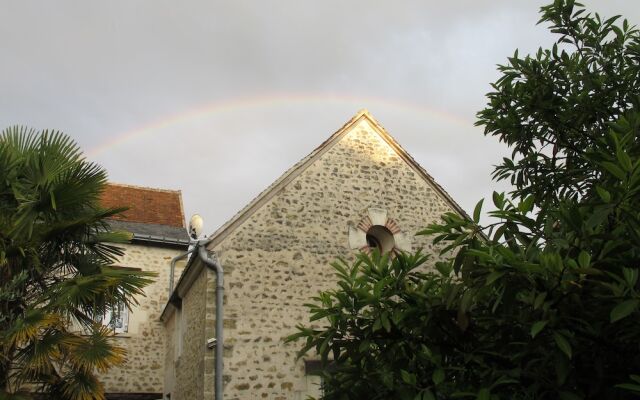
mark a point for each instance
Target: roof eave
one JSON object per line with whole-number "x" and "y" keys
{"x": 160, "y": 241}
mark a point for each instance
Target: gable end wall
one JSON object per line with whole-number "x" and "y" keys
{"x": 278, "y": 258}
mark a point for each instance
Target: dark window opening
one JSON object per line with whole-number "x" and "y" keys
{"x": 381, "y": 238}
{"x": 373, "y": 242}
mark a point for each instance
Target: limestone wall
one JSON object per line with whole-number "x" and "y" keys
{"x": 189, "y": 362}
{"x": 170, "y": 353}
{"x": 279, "y": 257}
{"x": 145, "y": 341}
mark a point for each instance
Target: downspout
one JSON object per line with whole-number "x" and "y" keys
{"x": 173, "y": 268}
{"x": 212, "y": 263}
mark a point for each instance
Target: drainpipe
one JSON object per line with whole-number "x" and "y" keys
{"x": 173, "y": 268}
{"x": 212, "y": 263}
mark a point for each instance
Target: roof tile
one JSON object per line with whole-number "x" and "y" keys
{"x": 146, "y": 205}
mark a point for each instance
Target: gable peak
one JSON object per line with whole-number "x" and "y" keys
{"x": 298, "y": 168}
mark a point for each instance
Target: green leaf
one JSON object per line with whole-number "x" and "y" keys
{"x": 624, "y": 160}
{"x": 323, "y": 349}
{"x": 630, "y": 276}
{"x": 377, "y": 324}
{"x": 629, "y": 386}
{"x": 467, "y": 298}
{"x": 537, "y": 327}
{"x": 493, "y": 276}
{"x": 444, "y": 267}
{"x": 53, "y": 200}
{"x": 604, "y": 194}
{"x": 623, "y": 309}
{"x": 397, "y": 316}
{"x": 599, "y": 215}
{"x": 427, "y": 394}
{"x": 438, "y": 376}
{"x": 498, "y": 199}
{"x": 457, "y": 261}
{"x": 408, "y": 377}
{"x": 539, "y": 300}
{"x": 476, "y": 211}
{"x": 562, "y": 344}
{"x": 584, "y": 259}
{"x": 614, "y": 170}
{"x": 385, "y": 321}
{"x": 526, "y": 205}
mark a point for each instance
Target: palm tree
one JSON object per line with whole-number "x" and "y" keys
{"x": 56, "y": 249}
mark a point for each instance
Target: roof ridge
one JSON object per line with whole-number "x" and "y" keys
{"x": 153, "y": 189}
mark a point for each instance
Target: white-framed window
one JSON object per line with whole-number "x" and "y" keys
{"x": 117, "y": 318}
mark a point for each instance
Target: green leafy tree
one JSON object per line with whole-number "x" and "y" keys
{"x": 543, "y": 303}
{"x": 55, "y": 279}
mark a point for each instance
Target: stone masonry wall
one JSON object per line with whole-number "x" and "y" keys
{"x": 186, "y": 354}
{"x": 145, "y": 340}
{"x": 189, "y": 364}
{"x": 170, "y": 354}
{"x": 279, "y": 258}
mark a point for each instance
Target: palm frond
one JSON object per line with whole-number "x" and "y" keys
{"x": 80, "y": 385}
{"x": 38, "y": 356}
{"x": 19, "y": 138}
{"x": 95, "y": 350}
{"x": 29, "y": 327}
{"x": 94, "y": 294}
{"x": 55, "y": 250}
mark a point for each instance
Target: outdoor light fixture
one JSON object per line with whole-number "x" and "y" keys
{"x": 195, "y": 226}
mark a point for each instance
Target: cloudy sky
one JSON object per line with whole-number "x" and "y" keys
{"x": 218, "y": 98}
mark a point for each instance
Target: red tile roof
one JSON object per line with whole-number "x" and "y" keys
{"x": 146, "y": 205}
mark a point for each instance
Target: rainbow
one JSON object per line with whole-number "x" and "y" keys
{"x": 285, "y": 99}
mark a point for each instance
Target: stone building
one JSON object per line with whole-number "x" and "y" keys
{"x": 356, "y": 190}
{"x": 156, "y": 219}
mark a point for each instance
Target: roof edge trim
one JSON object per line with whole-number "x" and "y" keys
{"x": 152, "y": 189}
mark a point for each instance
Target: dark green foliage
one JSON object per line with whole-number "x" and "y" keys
{"x": 544, "y": 303}
{"x": 382, "y": 342}
{"x": 55, "y": 279}
{"x": 552, "y": 106}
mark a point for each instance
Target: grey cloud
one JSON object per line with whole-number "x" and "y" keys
{"x": 98, "y": 70}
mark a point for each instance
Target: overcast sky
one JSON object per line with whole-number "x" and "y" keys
{"x": 219, "y": 98}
